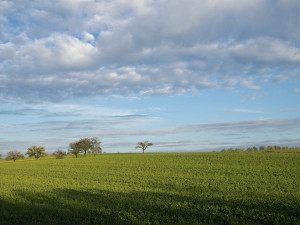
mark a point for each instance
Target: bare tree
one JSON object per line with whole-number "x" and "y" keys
{"x": 14, "y": 155}
{"x": 95, "y": 145}
{"x": 143, "y": 145}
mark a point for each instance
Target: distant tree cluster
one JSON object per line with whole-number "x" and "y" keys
{"x": 82, "y": 146}
{"x": 34, "y": 151}
{"x": 251, "y": 149}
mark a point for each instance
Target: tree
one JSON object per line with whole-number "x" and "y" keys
{"x": 14, "y": 155}
{"x": 59, "y": 154}
{"x": 95, "y": 145}
{"x": 75, "y": 148}
{"x": 83, "y": 145}
{"x": 0, "y": 156}
{"x": 36, "y": 152}
{"x": 143, "y": 145}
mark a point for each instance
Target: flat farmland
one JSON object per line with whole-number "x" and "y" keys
{"x": 173, "y": 188}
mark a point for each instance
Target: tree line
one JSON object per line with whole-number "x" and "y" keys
{"x": 82, "y": 146}
{"x": 254, "y": 148}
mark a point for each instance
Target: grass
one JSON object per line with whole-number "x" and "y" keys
{"x": 184, "y": 188}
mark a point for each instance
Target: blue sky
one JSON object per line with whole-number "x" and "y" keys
{"x": 187, "y": 75}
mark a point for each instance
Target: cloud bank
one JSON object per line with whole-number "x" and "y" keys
{"x": 58, "y": 50}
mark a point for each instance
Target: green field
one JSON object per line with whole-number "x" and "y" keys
{"x": 183, "y": 188}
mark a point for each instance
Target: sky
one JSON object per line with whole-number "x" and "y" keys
{"x": 187, "y": 75}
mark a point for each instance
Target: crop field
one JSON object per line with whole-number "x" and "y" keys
{"x": 182, "y": 188}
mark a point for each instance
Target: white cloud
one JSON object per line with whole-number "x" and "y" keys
{"x": 7, "y": 51}
{"x": 267, "y": 50}
{"x": 248, "y": 82}
{"x": 168, "y": 90}
{"x": 148, "y": 47}
{"x": 87, "y": 37}
{"x": 56, "y": 53}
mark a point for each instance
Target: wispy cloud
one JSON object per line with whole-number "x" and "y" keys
{"x": 249, "y": 111}
{"x": 235, "y": 127}
{"x": 290, "y": 110}
{"x": 4, "y": 126}
{"x": 250, "y": 97}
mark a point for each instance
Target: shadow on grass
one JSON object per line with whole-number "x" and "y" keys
{"x": 68, "y": 206}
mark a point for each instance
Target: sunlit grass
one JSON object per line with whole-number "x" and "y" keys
{"x": 184, "y": 188}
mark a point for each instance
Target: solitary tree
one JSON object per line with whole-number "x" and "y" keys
{"x": 143, "y": 145}
{"x": 36, "y": 152}
{"x": 95, "y": 145}
{"x": 14, "y": 155}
